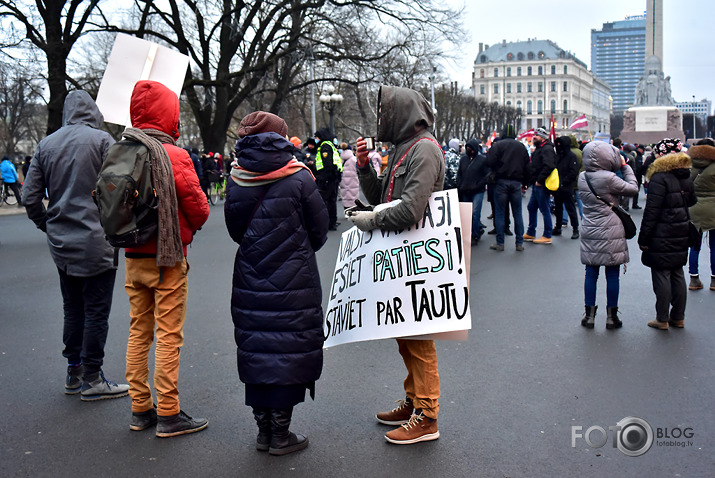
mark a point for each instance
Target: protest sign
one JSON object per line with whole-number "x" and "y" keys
{"x": 400, "y": 284}
{"x": 133, "y": 59}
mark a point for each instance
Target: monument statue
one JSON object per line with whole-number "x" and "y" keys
{"x": 653, "y": 88}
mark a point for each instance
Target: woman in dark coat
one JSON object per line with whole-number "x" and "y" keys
{"x": 663, "y": 235}
{"x": 275, "y": 213}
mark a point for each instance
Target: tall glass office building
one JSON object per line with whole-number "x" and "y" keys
{"x": 618, "y": 57}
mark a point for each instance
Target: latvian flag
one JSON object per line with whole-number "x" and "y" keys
{"x": 580, "y": 122}
{"x": 526, "y": 134}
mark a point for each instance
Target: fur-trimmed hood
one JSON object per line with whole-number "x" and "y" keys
{"x": 702, "y": 151}
{"x": 669, "y": 162}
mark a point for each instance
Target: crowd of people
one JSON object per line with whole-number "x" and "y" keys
{"x": 281, "y": 203}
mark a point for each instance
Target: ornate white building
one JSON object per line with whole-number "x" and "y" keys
{"x": 542, "y": 80}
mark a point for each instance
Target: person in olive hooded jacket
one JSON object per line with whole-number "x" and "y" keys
{"x": 414, "y": 171}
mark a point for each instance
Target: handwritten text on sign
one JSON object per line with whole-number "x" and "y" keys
{"x": 398, "y": 284}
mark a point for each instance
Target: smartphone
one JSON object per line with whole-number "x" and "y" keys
{"x": 370, "y": 143}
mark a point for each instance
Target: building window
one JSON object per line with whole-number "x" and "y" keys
{"x": 566, "y": 70}
{"x": 541, "y": 55}
{"x": 518, "y": 87}
{"x": 518, "y": 71}
{"x": 496, "y": 72}
{"x": 566, "y": 106}
{"x": 508, "y": 103}
{"x": 528, "y": 70}
{"x": 566, "y": 85}
{"x": 553, "y": 86}
{"x": 540, "y": 107}
{"x": 528, "y": 107}
{"x": 530, "y": 55}
{"x": 553, "y": 69}
{"x": 520, "y": 56}
{"x": 541, "y": 70}
{"x": 508, "y": 71}
{"x": 483, "y": 58}
{"x": 509, "y": 56}
{"x": 481, "y": 89}
{"x": 508, "y": 88}
{"x": 481, "y": 73}
{"x": 528, "y": 87}
{"x": 496, "y": 87}
{"x": 518, "y": 105}
{"x": 540, "y": 88}
{"x": 553, "y": 106}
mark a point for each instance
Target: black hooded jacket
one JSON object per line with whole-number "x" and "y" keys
{"x": 473, "y": 171}
{"x": 509, "y": 159}
{"x": 566, "y": 163}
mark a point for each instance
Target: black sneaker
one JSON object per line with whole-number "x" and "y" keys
{"x": 73, "y": 382}
{"x": 179, "y": 424}
{"x": 143, "y": 420}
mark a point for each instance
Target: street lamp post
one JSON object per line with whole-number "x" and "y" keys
{"x": 331, "y": 101}
{"x": 693, "y": 118}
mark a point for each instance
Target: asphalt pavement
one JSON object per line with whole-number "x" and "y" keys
{"x": 513, "y": 396}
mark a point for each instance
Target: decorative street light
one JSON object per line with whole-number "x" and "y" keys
{"x": 331, "y": 101}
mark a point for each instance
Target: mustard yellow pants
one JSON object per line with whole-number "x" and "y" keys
{"x": 422, "y": 382}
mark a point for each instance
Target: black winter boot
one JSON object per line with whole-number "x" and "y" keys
{"x": 612, "y": 320}
{"x": 283, "y": 441}
{"x": 263, "y": 420}
{"x": 589, "y": 317}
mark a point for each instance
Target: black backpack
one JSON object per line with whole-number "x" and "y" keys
{"x": 125, "y": 195}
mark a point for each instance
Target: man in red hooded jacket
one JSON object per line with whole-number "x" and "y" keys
{"x": 156, "y": 279}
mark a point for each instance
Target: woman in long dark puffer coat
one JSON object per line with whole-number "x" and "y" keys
{"x": 275, "y": 213}
{"x": 663, "y": 235}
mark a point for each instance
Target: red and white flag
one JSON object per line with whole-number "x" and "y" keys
{"x": 580, "y": 122}
{"x": 491, "y": 139}
{"x": 528, "y": 134}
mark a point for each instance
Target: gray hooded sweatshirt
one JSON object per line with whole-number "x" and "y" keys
{"x": 404, "y": 117}
{"x": 66, "y": 163}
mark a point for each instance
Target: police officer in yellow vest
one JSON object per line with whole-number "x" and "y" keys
{"x": 329, "y": 170}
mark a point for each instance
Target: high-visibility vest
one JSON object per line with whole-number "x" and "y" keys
{"x": 336, "y": 157}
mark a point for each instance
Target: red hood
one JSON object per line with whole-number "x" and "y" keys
{"x": 155, "y": 106}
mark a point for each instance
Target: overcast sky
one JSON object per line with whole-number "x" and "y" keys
{"x": 688, "y": 34}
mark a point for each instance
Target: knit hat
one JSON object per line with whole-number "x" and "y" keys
{"x": 541, "y": 132}
{"x": 667, "y": 145}
{"x": 262, "y": 122}
{"x": 454, "y": 144}
{"x": 296, "y": 141}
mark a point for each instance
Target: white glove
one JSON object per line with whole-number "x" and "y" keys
{"x": 364, "y": 220}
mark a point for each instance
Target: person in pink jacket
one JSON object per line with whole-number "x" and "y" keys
{"x": 349, "y": 184}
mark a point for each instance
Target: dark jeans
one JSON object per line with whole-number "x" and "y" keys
{"x": 329, "y": 192}
{"x": 508, "y": 192}
{"x": 670, "y": 290}
{"x": 565, "y": 199}
{"x": 612, "y": 285}
{"x": 539, "y": 202}
{"x": 694, "y": 253}
{"x": 87, "y": 303}
{"x": 16, "y": 191}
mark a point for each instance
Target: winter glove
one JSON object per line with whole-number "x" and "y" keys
{"x": 364, "y": 220}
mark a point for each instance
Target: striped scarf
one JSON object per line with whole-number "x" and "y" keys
{"x": 169, "y": 250}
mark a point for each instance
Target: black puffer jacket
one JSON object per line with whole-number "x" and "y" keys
{"x": 276, "y": 301}
{"x": 473, "y": 171}
{"x": 566, "y": 163}
{"x": 664, "y": 229}
{"x": 543, "y": 161}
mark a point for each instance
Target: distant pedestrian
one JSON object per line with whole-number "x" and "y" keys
{"x": 568, "y": 167}
{"x": 451, "y": 160}
{"x": 603, "y": 238}
{"x": 349, "y": 184}
{"x": 277, "y": 216}
{"x": 664, "y": 235}
{"x": 10, "y": 178}
{"x": 543, "y": 162}
{"x": 702, "y": 214}
{"x": 66, "y": 165}
{"x": 472, "y": 183}
{"x": 329, "y": 170}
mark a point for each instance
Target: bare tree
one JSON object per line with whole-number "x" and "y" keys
{"x": 52, "y": 26}
{"x": 249, "y": 54}
{"x": 19, "y": 101}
